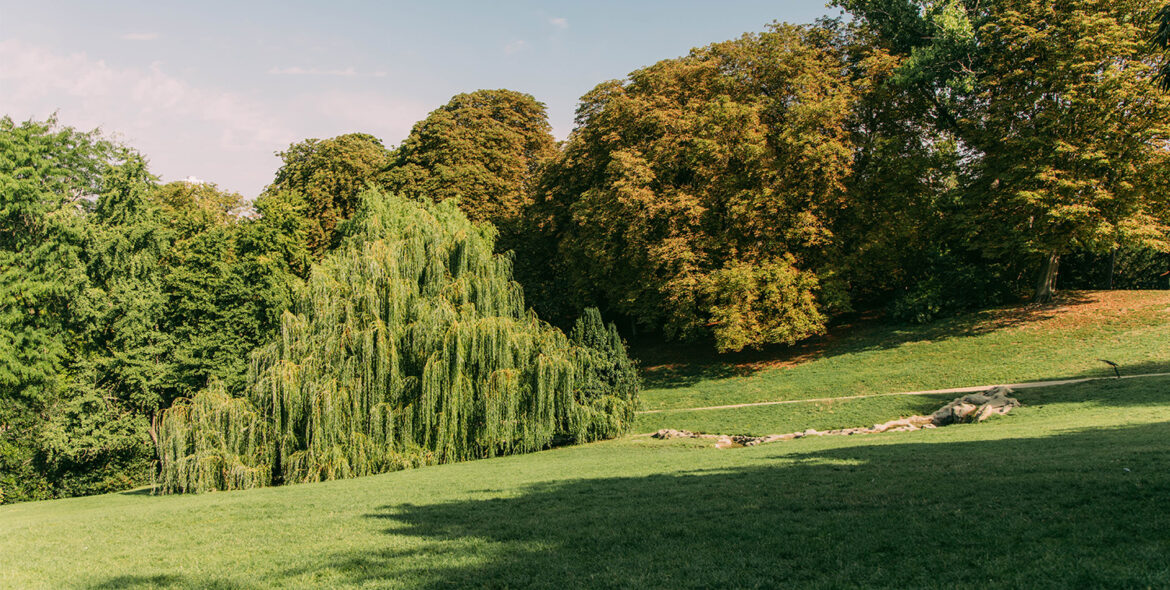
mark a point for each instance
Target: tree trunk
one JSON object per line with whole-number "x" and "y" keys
{"x": 1046, "y": 286}
{"x": 1112, "y": 267}
{"x": 153, "y": 431}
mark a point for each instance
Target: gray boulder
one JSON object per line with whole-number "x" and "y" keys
{"x": 976, "y": 407}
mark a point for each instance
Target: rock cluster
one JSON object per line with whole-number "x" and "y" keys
{"x": 974, "y": 407}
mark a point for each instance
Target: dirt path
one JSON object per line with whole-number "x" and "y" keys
{"x": 1029, "y": 385}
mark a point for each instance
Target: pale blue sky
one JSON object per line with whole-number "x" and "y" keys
{"x": 212, "y": 89}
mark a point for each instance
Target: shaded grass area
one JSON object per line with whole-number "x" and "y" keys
{"x": 1004, "y": 345}
{"x": 1020, "y": 512}
{"x": 1067, "y": 491}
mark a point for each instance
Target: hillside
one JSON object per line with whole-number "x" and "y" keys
{"x": 1065, "y": 491}
{"x": 1005, "y": 345}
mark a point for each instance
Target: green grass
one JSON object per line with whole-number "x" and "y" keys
{"x": 996, "y": 346}
{"x": 779, "y": 419}
{"x": 1068, "y": 491}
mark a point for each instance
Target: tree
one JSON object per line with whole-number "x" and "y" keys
{"x": 329, "y": 174}
{"x": 485, "y": 148}
{"x": 195, "y": 272}
{"x": 82, "y": 245}
{"x": 1161, "y": 40}
{"x": 1067, "y": 128}
{"x": 409, "y": 345}
{"x": 48, "y": 175}
{"x": 1045, "y": 101}
{"x": 120, "y": 296}
{"x": 698, "y": 195}
{"x": 607, "y": 379}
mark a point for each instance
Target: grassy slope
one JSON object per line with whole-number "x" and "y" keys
{"x": 996, "y": 346}
{"x": 1068, "y": 491}
{"x": 779, "y": 419}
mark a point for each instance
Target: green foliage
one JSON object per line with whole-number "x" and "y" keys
{"x": 45, "y": 171}
{"x": 329, "y": 175}
{"x": 698, "y": 195}
{"x": 946, "y": 283}
{"x": 214, "y": 441}
{"x": 768, "y": 301}
{"x": 123, "y": 338}
{"x": 225, "y": 280}
{"x": 1132, "y": 268}
{"x": 119, "y": 296}
{"x": 409, "y": 345}
{"x": 59, "y": 433}
{"x": 484, "y": 148}
{"x": 1081, "y": 174}
{"x": 607, "y": 380}
{"x": 1074, "y": 176}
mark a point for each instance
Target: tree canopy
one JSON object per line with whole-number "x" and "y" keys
{"x": 329, "y": 175}
{"x": 484, "y": 148}
{"x": 1059, "y": 134}
{"x": 698, "y": 194}
{"x": 409, "y": 345}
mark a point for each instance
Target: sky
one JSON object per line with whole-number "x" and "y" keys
{"x": 214, "y": 89}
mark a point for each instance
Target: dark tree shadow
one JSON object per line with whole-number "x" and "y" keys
{"x": 1126, "y": 392}
{"x": 143, "y": 491}
{"x": 168, "y": 581}
{"x": 1081, "y": 509}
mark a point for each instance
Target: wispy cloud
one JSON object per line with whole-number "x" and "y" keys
{"x": 349, "y": 72}
{"x": 139, "y": 36}
{"x": 515, "y": 47}
{"x": 184, "y": 128}
{"x": 559, "y": 22}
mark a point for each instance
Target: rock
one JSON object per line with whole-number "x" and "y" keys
{"x": 975, "y": 407}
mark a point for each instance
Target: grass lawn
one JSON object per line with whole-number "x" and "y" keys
{"x": 1068, "y": 491}
{"x": 779, "y": 419}
{"x": 996, "y": 346}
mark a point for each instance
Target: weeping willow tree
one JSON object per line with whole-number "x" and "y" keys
{"x": 409, "y": 345}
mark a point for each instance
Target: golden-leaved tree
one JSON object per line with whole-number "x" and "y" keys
{"x": 697, "y": 195}
{"x": 1058, "y": 120}
{"x": 485, "y": 148}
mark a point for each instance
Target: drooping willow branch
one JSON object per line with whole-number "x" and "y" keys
{"x": 410, "y": 345}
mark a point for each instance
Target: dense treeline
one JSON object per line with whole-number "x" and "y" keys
{"x": 361, "y": 314}
{"x": 119, "y": 296}
{"x": 932, "y": 155}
